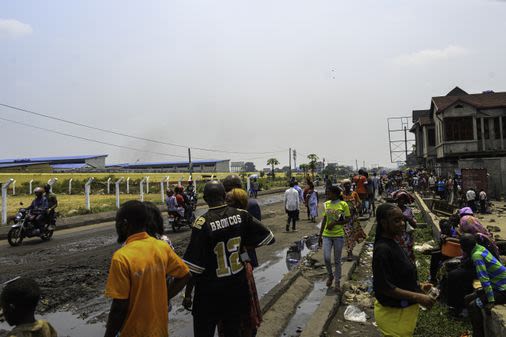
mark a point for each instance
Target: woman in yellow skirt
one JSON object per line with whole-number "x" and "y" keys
{"x": 395, "y": 283}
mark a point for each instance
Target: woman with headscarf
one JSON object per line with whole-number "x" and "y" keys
{"x": 470, "y": 224}
{"x": 353, "y": 229}
{"x": 238, "y": 198}
{"x": 405, "y": 239}
{"x": 460, "y": 280}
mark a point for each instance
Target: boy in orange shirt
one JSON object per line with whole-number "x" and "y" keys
{"x": 137, "y": 280}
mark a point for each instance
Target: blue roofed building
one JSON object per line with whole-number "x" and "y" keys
{"x": 177, "y": 166}
{"x": 53, "y": 164}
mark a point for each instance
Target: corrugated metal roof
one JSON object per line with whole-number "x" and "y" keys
{"x": 50, "y": 159}
{"x": 7, "y": 165}
{"x": 69, "y": 166}
{"x": 150, "y": 164}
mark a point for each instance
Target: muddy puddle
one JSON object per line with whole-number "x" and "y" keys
{"x": 305, "y": 310}
{"x": 267, "y": 275}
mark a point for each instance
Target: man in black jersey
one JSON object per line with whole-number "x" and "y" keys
{"x": 214, "y": 255}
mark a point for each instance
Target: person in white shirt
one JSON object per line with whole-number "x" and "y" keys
{"x": 292, "y": 201}
{"x": 483, "y": 201}
{"x": 471, "y": 199}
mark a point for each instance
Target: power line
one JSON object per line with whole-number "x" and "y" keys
{"x": 117, "y": 133}
{"x": 92, "y": 140}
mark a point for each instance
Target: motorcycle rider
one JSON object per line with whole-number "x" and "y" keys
{"x": 184, "y": 201}
{"x": 173, "y": 206}
{"x": 38, "y": 209}
{"x": 52, "y": 203}
{"x": 191, "y": 193}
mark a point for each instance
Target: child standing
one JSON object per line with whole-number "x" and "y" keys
{"x": 18, "y": 301}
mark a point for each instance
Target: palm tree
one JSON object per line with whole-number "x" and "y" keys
{"x": 313, "y": 159}
{"x": 273, "y": 162}
{"x": 304, "y": 168}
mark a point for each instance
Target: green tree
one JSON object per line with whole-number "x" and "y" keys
{"x": 273, "y": 162}
{"x": 313, "y": 159}
{"x": 304, "y": 168}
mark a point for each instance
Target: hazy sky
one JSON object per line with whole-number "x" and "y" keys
{"x": 246, "y": 76}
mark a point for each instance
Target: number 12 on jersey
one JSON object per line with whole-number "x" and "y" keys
{"x": 233, "y": 265}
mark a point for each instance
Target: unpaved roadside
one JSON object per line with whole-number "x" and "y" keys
{"x": 72, "y": 271}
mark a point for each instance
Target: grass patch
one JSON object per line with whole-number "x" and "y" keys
{"x": 437, "y": 321}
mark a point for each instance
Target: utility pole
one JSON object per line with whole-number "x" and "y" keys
{"x": 295, "y": 158}
{"x": 290, "y": 162}
{"x": 190, "y": 166}
{"x": 356, "y": 164}
{"x": 406, "y": 143}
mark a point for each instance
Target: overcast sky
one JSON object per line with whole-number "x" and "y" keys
{"x": 247, "y": 76}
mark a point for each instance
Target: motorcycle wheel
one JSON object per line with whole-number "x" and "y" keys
{"x": 47, "y": 235}
{"x": 15, "y": 237}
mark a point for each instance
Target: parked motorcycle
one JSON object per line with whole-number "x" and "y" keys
{"x": 25, "y": 227}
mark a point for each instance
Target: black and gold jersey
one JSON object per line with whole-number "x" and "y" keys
{"x": 214, "y": 252}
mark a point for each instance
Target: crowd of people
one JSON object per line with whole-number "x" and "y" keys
{"x": 467, "y": 253}
{"x": 216, "y": 269}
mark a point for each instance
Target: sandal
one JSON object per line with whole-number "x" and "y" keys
{"x": 330, "y": 279}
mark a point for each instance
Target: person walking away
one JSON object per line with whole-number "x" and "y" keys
{"x": 238, "y": 198}
{"x": 371, "y": 207}
{"x": 441, "y": 188}
{"x": 18, "y": 301}
{"x": 231, "y": 182}
{"x": 471, "y": 199}
{"x": 52, "y": 203}
{"x": 312, "y": 202}
{"x": 353, "y": 230}
{"x": 492, "y": 275}
{"x": 214, "y": 256}
{"x": 137, "y": 281}
{"x": 432, "y": 183}
{"x": 376, "y": 181}
{"x": 254, "y": 188}
{"x": 360, "y": 181}
{"x": 395, "y": 280}
{"x": 336, "y": 214}
{"x": 292, "y": 200}
{"x": 483, "y": 201}
{"x": 406, "y": 239}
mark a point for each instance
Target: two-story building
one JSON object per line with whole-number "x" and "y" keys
{"x": 468, "y": 131}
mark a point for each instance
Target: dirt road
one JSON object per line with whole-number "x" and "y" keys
{"x": 72, "y": 269}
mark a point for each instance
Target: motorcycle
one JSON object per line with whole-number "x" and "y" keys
{"x": 25, "y": 227}
{"x": 176, "y": 222}
{"x": 192, "y": 201}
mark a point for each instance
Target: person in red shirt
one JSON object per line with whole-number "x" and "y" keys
{"x": 360, "y": 181}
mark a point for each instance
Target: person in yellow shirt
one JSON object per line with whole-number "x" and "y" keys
{"x": 336, "y": 213}
{"x": 18, "y": 301}
{"x": 137, "y": 280}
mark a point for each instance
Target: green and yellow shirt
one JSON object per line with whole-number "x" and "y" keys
{"x": 332, "y": 210}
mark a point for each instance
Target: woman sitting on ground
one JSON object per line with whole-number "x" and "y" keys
{"x": 395, "y": 278}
